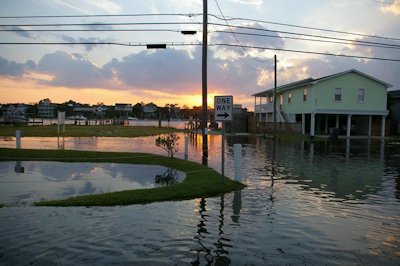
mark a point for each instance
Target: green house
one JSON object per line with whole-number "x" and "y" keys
{"x": 351, "y": 101}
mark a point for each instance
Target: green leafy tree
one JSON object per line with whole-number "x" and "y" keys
{"x": 169, "y": 143}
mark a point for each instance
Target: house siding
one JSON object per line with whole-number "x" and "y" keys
{"x": 297, "y": 105}
{"x": 375, "y": 93}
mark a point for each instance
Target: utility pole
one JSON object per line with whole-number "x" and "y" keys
{"x": 275, "y": 97}
{"x": 204, "y": 86}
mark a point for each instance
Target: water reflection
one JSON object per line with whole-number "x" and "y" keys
{"x": 18, "y": 167}
{"x": 236, "y": 206}
{"x": 213, "y": 246}
{"x": 321, "y": 168}
{"x": 306, "y": 203}
{"x": 202, "y": 251}
{"x": 54, "y": 180}
{"x": 168, "y": 178}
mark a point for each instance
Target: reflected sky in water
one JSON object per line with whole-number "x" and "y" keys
{"x": 306, "y": 203}
{"x": 27, "y": 182}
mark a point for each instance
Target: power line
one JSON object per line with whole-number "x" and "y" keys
{"x": 301, "y": 34}
{"x": 306, "y": 27}
{"x": 307, "y": 52}
{"x": 372, "y": 44}
{"x": 132, "y": 44}
{"x": 227, "y": 24}
{"x": 98, "y": 24}
{"x": 191, "y": 44}
{"x": 225, "y": 18}
{"x": 168, "y": 23}
{"x": 102, "y": 15}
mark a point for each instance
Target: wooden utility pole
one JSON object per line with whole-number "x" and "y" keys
{"x": 204, "y": 86}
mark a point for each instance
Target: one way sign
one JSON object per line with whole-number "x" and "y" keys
{"x": 223, "y": 106}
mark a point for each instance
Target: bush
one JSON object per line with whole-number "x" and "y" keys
{"x": 169, "y": 143}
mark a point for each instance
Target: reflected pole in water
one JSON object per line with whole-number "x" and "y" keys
{"x": 201, "y": 232}
{"x": 221, "y": 260}
{"x": 236, "y": 205}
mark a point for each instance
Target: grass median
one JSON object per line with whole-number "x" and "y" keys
{"x": 86, "y": 131}
{"x": 201, "y": 181}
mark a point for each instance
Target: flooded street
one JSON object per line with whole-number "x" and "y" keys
{"x": 305, "y": 203}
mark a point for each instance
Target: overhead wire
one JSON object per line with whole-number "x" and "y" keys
{"x": 191, "y": 44}
{"x": 306, "y": 27}
{"x": 302, "y": 34}
{"x": 225, "y": 18}
{"x": 319, "y": 38}
{"x": 307, "y": 52}
{"x": 351, "y": 42}
{"x": 14, "y": 29}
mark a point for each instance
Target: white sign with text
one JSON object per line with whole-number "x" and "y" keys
{"x": 223, "y": 108}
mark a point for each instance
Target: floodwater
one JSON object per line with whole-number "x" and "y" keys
{"x": 155, "y": 123}
{"x": 28, "y": 182}
{"x": 305, "y": 203}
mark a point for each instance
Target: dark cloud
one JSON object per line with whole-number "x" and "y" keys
{"x": 89, "y": 43}
{"x": 385, "y": 70}
{"x": 20, "y": 32}
{"x": 98, "y": 26}
{"x": 13, "y": 69}
{"x": 165, "y": 70}
{"x": 179, "y": 72}
{"x": 70, "y": 71}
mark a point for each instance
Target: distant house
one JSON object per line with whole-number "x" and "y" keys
{"x": 150, "y": 111}
{"x": 15, "y": 113}
{"x": 123, "y": 107}
{"x": 352, "y": 101}
{"x": 45, "y": 108}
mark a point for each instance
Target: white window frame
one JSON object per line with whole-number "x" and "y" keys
{"x": 361, "y": 96}
{"x": 305, "y": 94}
{"x": 338, "y": 96}
{"x": 289, "y": 99}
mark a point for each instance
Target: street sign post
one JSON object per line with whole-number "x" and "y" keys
{"x": 223, "y": 109}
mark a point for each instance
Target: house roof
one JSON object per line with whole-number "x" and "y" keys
{"x": 313, "y": 81}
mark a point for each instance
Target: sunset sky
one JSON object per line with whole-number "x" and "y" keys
{"x": 93, "y": 73}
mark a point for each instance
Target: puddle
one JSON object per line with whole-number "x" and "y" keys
{"x": 27, "y": 182}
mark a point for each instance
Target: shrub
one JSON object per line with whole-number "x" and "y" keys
{"x": 169, "y": 143}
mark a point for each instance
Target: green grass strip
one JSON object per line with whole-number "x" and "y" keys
{"x": 201, "y": 181}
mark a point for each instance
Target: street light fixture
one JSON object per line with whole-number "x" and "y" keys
{"x": 156, "y": 46}
{"x": 188, "y": 32}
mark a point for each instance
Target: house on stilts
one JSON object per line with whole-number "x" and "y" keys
{"x": 351, "y": 101}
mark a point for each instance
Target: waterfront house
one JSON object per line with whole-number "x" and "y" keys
{"x": 123, "y": 107}
{"x": 351, "y": 101}
{"x": 150, "y": 111}
{"x": 45, "y": 108}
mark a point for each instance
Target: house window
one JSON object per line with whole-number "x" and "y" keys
{"x": 304, "y": 94}
{"x": 361, "y": 95}
{"x": 338, "y": 95}
{"x": 289, "y": 99}
{"x": 271, "y": 99}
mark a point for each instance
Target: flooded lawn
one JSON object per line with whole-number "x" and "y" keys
{"x": 305, "y": 203}
{"x": 28, "y": 182}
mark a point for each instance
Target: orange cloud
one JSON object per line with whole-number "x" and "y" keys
{"x": 393, "y": 8}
